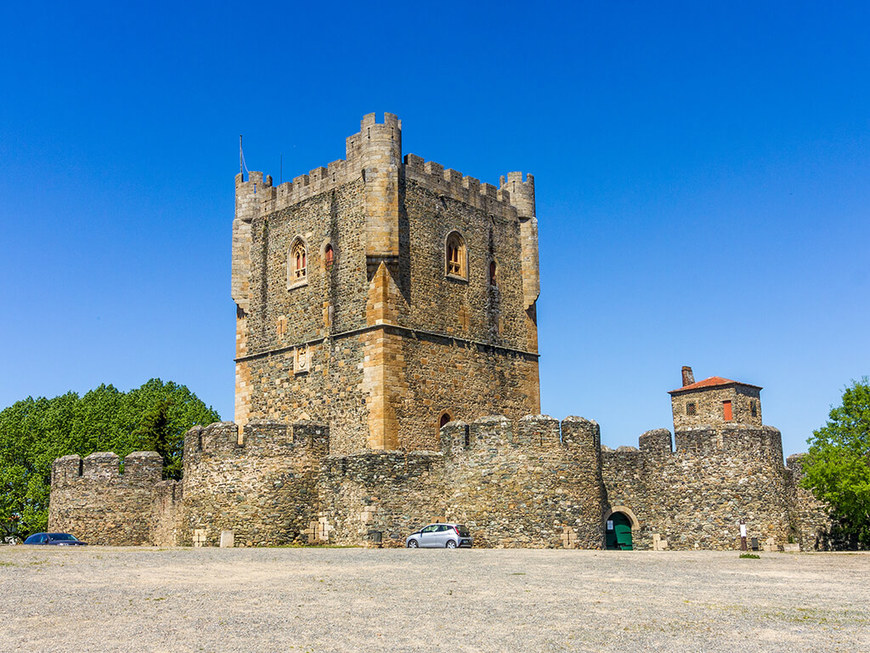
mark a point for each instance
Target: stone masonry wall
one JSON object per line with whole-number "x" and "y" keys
{"x": 166, "y": 516}
{"x": 97, "y": 503}
{"x": 385, "y": 494}
{"x": 532, "y": 482}
{"x": 811, "y": 516}
{"x": 260, "y": 483}
{"x": 708, "y": 406}
{"x": 694, "y": 497}
{"x": 526, "y": 483}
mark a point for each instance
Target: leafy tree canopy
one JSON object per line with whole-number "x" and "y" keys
{"x": 34, "y": 432}
{"x": 838, "y": 465}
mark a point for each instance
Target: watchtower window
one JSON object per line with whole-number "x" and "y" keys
{"x": 328, "y": 257}
{"x": 456, "y": 256}
{"x": 297, "y": 263}
{"x": 726, "y": 411}
{"x": 691, "y": 408}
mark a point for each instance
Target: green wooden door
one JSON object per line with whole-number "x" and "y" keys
{"x": 618, "y": 532}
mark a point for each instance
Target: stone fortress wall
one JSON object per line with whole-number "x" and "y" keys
{"x": 533, "y": 482}
{"x": 364, "y": 367}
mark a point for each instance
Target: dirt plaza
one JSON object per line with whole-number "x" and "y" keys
{"x": 324, "y": 599}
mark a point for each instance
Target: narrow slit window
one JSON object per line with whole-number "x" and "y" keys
{"x": 329, "y": 257}
{"x": 726, "y": 411}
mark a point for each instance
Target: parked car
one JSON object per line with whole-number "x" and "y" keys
{"x": 439, "y": 536}
{"x": 60, "y": 539}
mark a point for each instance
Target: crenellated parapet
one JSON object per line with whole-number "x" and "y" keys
{"x": 694, "y": 494}
{"x": 470, "y": 190}
{"x": 104, "y": 467}
{"x": 763, "y": 443}
{"x": 375, "y": 146}
{"x": 259, "y": 481}
{"x": 551, "y": 469}
{"x": 258, "y": 438}
{"x": 531, "y": 482}
{"x": 102, "y": 500}
{"x": 657, "y": 442}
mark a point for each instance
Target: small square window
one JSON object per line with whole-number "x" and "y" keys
{"x": 691, "y": 408}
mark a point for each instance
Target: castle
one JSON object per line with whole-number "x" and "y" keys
{"x": 387, "y": 376}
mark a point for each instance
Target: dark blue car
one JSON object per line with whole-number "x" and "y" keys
{"x": 60, "y": 539}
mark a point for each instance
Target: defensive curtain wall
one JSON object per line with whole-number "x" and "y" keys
{"x": 534, "y": 482}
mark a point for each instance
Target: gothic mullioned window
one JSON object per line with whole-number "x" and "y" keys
{"x": 456, "y": 256}
{"x": 297, "y": 263}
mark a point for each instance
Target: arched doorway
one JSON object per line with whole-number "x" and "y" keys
{"x": 618, "y": 524}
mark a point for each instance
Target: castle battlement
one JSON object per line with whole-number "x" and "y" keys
{"x": 105, "y": 466}
{"x": 266, "y": 438}
{"x": 469, "y": 190}
{"x": 759, "y": 442}
{"x": 535, "y": 433}
{"x": 258, "y": 196}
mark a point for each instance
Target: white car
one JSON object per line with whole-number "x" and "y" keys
{"x": 439, "y": 536}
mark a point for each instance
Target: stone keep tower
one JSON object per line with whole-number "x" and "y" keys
{"x": 385, "y": 296}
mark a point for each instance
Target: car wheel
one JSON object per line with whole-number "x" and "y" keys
{"x": 412, "y": 544}
{"x": 451, "y": 544}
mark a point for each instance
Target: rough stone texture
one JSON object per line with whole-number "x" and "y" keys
{"x": 521, "y": 484}
{"x": 391, "y": 340}
{"x": 92, "y": 497}
{"x": 708, "y": 406}
{"x": 259, "y": 482}
{"x": 531, "y": 483}
{"x": 166, "y": 513}
{"x": 695, "y": 496}
{"x": 812, "y": 521}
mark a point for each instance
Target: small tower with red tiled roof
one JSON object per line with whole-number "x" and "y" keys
{"x": 715, "y": 402}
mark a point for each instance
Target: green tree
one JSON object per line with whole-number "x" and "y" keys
{"x": 34, "y": 432}
{"x": 838, "y": 465}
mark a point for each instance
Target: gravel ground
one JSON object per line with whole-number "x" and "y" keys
{"x": 140, "y": 599}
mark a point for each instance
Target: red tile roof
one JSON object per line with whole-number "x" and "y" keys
{"x": 713, "y": 381}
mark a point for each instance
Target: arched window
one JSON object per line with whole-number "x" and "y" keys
{"x": 444, "y": 421}
{"x": 492, "y": 270}
{"x": 328, "y": 257}
{"x": 456, "y": 256}
{"x": 297, "y": 263}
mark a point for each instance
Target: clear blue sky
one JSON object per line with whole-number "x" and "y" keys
{"x": 702, "y": 173}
